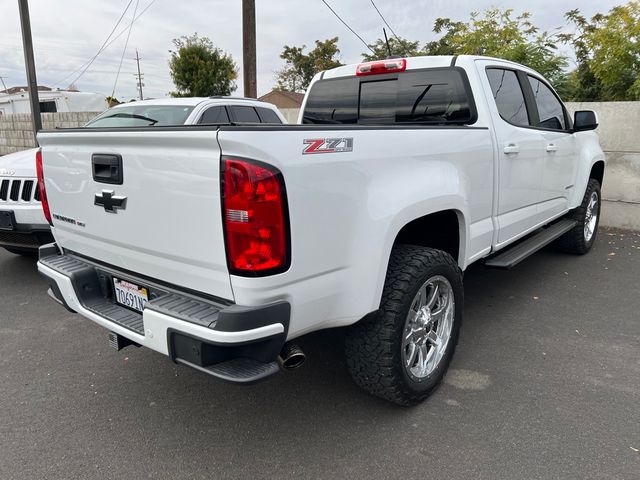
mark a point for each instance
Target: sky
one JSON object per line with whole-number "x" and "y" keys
{"x": 68, "y": 33}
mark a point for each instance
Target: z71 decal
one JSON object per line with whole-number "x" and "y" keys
{"x": 327, "y": 145}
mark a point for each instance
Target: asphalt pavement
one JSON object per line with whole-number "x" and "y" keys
{"x": 545, "y": 384}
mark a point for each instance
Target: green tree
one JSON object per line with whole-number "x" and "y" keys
{"x": 399, "y": 46}
{"x": 300, "y": 67}
{"x": 497, "y": 33}
{"x": 607, "y": 51}
{"x": 198, "y": 69}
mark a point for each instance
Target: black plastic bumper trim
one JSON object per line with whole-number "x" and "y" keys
{"x": 236, "y": 318}
{"x": 242, "y": 362}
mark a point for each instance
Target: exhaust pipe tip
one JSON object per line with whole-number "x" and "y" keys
{"x": 291, "y": 357}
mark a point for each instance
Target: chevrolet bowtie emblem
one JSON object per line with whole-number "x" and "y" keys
{"x": 110, "y": 201}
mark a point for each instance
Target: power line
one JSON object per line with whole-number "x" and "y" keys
{"x": 385, "y": 21}
{"x": 135, "y": 10}
{"x": 345, "y": 24}
{"x": 114, "y": 38}
{"x": 88, "y": 64}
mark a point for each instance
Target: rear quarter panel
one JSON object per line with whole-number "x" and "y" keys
{"x": 347, "y": 208}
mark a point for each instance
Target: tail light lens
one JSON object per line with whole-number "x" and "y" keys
{"x": 381, "y": 66}
{"x": 255, "y": 217}
{"x": 41, "y": 188}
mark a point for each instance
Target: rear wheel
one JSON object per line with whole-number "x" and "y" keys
{"x": 402, "y": 352}
{"x": 580, "y": 239}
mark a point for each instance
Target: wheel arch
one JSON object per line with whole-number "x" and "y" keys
{"x": 591, "y": 164}
{"x": 443, "y": 230}
{"x": 597, "y": 171}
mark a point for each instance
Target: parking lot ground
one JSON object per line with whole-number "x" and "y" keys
{"x": 545, "y": 384}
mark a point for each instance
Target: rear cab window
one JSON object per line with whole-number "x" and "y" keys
{"x": 243, "y": 114}
{"x": 141, "y": 116}
{"x": 434, "y": 96}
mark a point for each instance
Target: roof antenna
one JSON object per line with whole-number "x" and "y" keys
{"x": 386, "y": 41}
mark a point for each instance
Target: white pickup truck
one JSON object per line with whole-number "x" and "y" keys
{"x": 218, "y": 245}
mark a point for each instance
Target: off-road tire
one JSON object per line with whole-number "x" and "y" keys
{"x": 374, "y": 345}
{"x": 574, "y": 240}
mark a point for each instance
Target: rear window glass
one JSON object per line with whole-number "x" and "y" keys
{"x": 142, "y": 115}
{"x": 434, "y": 96}
{"x": 267, "y": 115}
{"x": 244, "y": 114}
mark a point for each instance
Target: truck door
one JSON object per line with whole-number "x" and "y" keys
{"x": 560, "y": 160}
{"x": 520, "y": 152}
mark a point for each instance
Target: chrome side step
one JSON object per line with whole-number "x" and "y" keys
{"x": 513, "y": 255}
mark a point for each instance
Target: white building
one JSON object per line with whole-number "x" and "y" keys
{"x": 16, "y": 100}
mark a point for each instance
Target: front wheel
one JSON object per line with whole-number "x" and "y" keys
{"x": 580, "y": 238}
{"x": 402, "y": 352}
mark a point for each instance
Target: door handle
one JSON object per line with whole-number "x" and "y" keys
{"x": 107, "y": 168}
{"x": 551, "y": 147}
{"x": 511, "y": 148}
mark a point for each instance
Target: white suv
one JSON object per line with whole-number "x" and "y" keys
{"x": 23, "y": 227}
{"x": 188, "y": 111}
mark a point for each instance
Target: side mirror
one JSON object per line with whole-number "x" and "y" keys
{"x": 584, "y": 120}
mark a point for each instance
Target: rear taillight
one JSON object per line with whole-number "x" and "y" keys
{"x": 381, "y": 66}
{"x": 41, "y": 187}
{"x": 255, "y": 217}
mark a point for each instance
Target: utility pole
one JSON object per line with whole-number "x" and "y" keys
{"x": 139, "y": 76}
{"x": 27, "y": 43}
{"x": 249, "y": 47}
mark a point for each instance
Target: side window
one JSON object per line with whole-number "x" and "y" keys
{"x": 215, "y": 115}
{"x": 550, "y": 109}
{"x": 267, "y": 115}
{"x": 48, "y": 107}
{"x": 244, "y": 114}
{"x": 508, "y": 95}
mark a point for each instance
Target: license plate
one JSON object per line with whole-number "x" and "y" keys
{"x": 6, "y": 221}
{"x": 130, "y": 295}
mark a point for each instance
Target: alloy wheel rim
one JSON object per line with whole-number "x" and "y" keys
{"x": 428, "y": 327}
{"x": 591, "y": 217}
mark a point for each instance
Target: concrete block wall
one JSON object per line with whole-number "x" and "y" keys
{"x": 16, "y": 131}
{"x": 619, "y": 132}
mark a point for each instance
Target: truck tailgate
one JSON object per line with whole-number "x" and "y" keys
{"x": 170, "y": 228}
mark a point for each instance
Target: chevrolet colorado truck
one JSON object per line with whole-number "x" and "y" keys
{"x": 23, "y": 227}
{"x": 219, "y": 245}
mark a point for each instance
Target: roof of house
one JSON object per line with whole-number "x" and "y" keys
{"x": 283, "y": 98}
{"x": 9, "y": 91}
